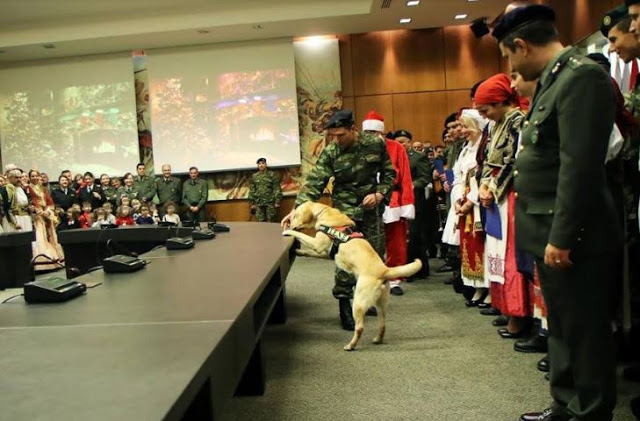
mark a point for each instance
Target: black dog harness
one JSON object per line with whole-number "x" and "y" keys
{"x": 339, "y": 235}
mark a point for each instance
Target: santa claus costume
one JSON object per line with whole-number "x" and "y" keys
{"x": 401, "y": 206}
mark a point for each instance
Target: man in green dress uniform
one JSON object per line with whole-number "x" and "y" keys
{"x": 364, "y": 176}
{"x": 572, "y": 231}
{"x": 195, "y": 193}
{"x": 146, "y": 185}
{"x": 169, "y": 188}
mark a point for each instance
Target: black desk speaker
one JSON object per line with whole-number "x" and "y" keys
{"x": 52, "y": 290}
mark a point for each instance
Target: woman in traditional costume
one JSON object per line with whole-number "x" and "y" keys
{"x": 47, "y": 252}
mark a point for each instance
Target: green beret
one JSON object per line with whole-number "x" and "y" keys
{"x": 612, "y": 18}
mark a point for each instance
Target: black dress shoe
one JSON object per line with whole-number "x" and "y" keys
{"x": 543, "y": 364}
{"x": 484, "y": 305}
{"x": 537, "y": 343}
{"x": 396, "y": 290}
{"x": 500, "y": 321}
{"x": 472, "y": 303}
{"x": 635, "y": 407}
{"x": 505, "y": 334}
{"x": 547, "y": 415}
{"x": 444, "y": 268}
{"x": 490, "y": 312}
{"x": 346, "y": 314}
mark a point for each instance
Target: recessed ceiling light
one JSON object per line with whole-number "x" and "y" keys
{"x": 405, "y": 20}
{"x": 413, "y": 3}
{"x": 462, "y": 16}
{"x": 472, "y": 0}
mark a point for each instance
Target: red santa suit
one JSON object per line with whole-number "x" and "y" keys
{"x": 401, "y": 206}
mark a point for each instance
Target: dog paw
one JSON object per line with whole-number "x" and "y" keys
{"x": 376, "y": 341}
{"x": 348, "y": 347}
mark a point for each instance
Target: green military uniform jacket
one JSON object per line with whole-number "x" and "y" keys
{"x": 452, "y": 152}
{"x": 130, "y": 192}
{"x": 111, "y": 194}
{"x": 559, "y": 174}
{"x": 169, "y": 190}
{"x": 195, "y": 193}
{"x": 421, "y": 169}
{"x": 146, "y": 186}
{"x": 264, "y": 189}
{"x": 356, "y": 170}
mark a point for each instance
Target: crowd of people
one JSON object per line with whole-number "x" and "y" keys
{"x": 29, "y": 202}
{"x": 539, "y": 183}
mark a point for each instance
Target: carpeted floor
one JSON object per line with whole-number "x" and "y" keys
{"x": 441, "y": 361}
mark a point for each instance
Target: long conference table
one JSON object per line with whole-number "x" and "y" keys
{"x": 173, "y": 341}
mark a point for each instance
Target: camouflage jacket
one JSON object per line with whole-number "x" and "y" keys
{"x": 362, "y": 169}
{"x": 264, "y": 188}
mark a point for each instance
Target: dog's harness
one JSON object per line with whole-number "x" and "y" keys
{"x": 339, "y": 235}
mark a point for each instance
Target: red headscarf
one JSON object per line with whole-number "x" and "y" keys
{"x": 497, "y": 89}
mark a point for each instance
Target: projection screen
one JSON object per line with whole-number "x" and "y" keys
{"x": 222, "y": 106}
{"x": 72, "y": 113}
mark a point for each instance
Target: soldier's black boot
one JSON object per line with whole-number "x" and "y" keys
{"x": 346, "y": 314}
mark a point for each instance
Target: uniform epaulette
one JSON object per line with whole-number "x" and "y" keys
{"x": 575, "y": 62}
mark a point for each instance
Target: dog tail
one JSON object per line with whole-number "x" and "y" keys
{"x": 403, "y": 271}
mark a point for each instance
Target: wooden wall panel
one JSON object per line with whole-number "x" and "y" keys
{"x": 421, "y": 113}
{"x": 373, "y": 64}
{"x": 419, "y": 60}
{"x": 456, "y": 100}
{"x": 468, "y": 59}
{"x": 383, "y": 104}
{"x": 349, "y": 103}
{"x": 346, "y": 69}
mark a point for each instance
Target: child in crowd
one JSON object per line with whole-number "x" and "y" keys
{"x": 76, "y": 207}
{"x": 100, "y": 218}
{"x": 154, "y": 212}
{"x": 71, "y": 220}
{"x": 124, "y": 216}
{"x": 108, "y": 209}
{"x": 170, "y": 214}
{"x": 86, "y": 219}
{"x": 145, "y": 217}
{"x": 135, "y": 205}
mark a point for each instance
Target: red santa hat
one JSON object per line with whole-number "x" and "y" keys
{"x": 373, "y": 121}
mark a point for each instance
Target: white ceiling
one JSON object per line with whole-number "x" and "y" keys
{"x": 80, "y": 27}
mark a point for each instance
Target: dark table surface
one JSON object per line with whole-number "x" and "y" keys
{"x": 129, "y": 347}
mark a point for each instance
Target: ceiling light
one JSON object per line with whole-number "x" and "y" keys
{"x": 413, "y": 3}
{"x": 471, "y": 1}
{"x": 405, "y": 20}
{"x": 461, "y": 16}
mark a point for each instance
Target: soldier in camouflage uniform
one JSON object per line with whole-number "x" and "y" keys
{"x": 169, "y": 189}
{"x": 146, "y": 185}
{"x": 264, "y": 192}
{"x": 364, "y": 176}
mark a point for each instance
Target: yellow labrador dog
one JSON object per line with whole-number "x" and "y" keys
{"x": 355, "y": 256}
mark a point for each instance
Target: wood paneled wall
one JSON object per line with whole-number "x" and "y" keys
{"x": 415, "y": 78}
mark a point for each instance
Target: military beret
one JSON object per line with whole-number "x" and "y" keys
{"x": 402, "y": 133}
{"x": 612, "y": 18}
{"x": 261, "y": 161}
{"x": 521, "y": 16}
{"x": 601, "y": 59}
{"x": 342, "y": 118}
{"x": 631, "y": 2}
{"x": 450, "y": 119}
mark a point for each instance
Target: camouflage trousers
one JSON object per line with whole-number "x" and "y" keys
{"x": 373, "y": 229}
{"x": 266, "y": 213}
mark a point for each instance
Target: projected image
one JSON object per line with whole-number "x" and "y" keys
{"x": 79, "y": 128}
{"x": 216, "y": 122}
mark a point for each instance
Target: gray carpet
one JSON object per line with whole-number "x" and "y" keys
{"x": 441, "y": 361}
